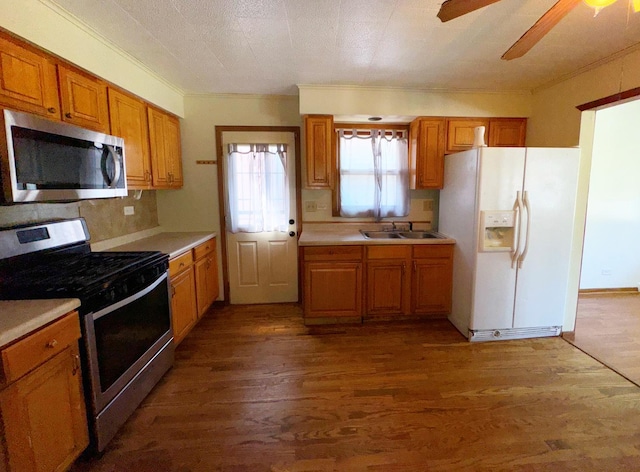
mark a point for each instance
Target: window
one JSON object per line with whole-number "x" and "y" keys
{"x": 258, "y": 191}
{"x": 373, "y": 173}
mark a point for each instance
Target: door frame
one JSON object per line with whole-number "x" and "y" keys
{"x": 295, "y": 130}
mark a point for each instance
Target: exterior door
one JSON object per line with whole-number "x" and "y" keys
{"x": 263, "y": 267}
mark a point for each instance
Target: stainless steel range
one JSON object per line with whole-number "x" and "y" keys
{"x": 125, "y": 311}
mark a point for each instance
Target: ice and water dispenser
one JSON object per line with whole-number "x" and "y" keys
{"x": 497, "y": 230}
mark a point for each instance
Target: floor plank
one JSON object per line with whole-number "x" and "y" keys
{"x": 608, "y": 328}
{"x": 254, "y": 390}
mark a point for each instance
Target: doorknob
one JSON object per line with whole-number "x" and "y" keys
{"x": 291, "y": 221}
{"x": 292, "y": 233}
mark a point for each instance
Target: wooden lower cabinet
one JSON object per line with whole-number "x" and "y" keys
{"x": 332, "y": 283}
{"x": 432, "y": 280}
{"x": 183, "y": 304}
{"x": 399, "y": 280}
{"x": 194, "y": 286}
{"x": 206, "y": 268}
{"x": 44, "y": 423}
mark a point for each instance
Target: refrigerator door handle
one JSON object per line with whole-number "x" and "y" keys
{"x": 517, "y": 207}
{"x": 527, "y": 206}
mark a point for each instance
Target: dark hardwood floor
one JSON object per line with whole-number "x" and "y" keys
{"x": 253, "y": 390}
{"x": 608, "y": 328}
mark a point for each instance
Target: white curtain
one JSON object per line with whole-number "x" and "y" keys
{"x": 374, "y": 174}
{"x": 258, "y": 188}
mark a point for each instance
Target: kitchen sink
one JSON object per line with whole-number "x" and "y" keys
{"x": 380, "y": 234}
{"x": 401, "y": 235}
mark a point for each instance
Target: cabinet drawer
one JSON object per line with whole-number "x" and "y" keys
{"x": 388, "y": 252}
{"x": 432, "y": 251}
{"x": 25, "y": 355}
{"x": 204, "y": 249}
{"x": 180, "y": 263}
{"x": 333, "y": 253}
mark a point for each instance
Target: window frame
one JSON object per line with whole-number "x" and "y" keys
{"x": 361, "y": 129}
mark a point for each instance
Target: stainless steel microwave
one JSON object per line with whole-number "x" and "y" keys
{"x": 48, "y": 161}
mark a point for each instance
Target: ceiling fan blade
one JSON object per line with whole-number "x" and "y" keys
{"x": 454, "y": 8}
{"x": 534, "y": 34}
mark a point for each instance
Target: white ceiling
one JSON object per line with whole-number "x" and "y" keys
{"x": 269, "y": 46}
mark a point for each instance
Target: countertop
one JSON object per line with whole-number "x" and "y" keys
{"x": 173, "y": 244}
{"x": 348, "y": 234}
{"x": 21, "y": 317}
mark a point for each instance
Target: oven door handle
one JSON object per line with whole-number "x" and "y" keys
{"x": 132, "y": 298}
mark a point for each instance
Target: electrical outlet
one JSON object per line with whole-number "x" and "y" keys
{"x": 129, "y": 210}
{"x": 310, "y": 206}
{"x": 322, "y": 206}
{"x": 427, "y": 205}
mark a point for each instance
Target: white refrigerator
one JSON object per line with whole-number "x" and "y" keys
{"x": 511, "y": 212}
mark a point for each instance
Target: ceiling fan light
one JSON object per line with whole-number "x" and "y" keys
{"x": 636, "y": 6}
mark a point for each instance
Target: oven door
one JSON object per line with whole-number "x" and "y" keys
{"x": 123, "y": 338}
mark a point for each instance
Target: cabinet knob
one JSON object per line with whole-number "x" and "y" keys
{"x": 76, "y": 364}
{"x": 68, "y": 115}
{"x": 51, "y": 110}
{"x": 53, "y": 343}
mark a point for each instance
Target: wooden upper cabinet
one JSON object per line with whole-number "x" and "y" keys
{"x": 28, "y": 80}
{"x": 426, "y": 153}
{"x": 83, "y": 99}
{"x": 128, "y": 119}
{"x": 319, "y": 150}
{"x": 507, "y": 132}
{"x": 164, "y": 140}
{"x": 461, "y": 134}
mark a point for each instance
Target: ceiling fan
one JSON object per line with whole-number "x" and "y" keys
{"x": 451, "y": 9}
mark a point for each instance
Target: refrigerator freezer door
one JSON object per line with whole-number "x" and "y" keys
{"x": 501, "y": 177}
{"x": 551, "y": 180}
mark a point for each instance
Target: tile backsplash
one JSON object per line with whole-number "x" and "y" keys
{"x": 105, "y": 217}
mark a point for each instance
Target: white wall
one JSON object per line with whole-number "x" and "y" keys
{"x": 46, "y": 25}
{"x": 611, "y": 258}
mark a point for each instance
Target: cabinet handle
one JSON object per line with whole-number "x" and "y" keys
{"x": 53, "y": 343}
{"x": 415, "y": 266}
{"x": 182, "y": 264}
{"x": 173, "y": 291}
{"x": 51, "y": 110}
{"x": 76, "y": 364}
{"x": 68, "y": 115}
{"x": 147, "y": 176}
{"x": 404, "y": 268}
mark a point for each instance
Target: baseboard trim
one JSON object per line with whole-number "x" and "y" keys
{"x": 585, "y": 292}
{"x": 569, "y": 336}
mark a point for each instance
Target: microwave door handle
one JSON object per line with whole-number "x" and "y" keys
{"x": 116, "y": 162}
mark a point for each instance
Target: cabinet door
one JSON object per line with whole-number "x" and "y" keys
{"x": 173, "y": 151}
{"x": 509, "y": 132}
{"x": 157, "y": 147}
{"x": 184, "y": 312}
{"x": 212, "y": 278}
{"x": 427, "y": 153}
{"x": 386, "y": 287}
{"x": 319, "y": 150}
{"x": 83, "y": 99}
{"x": 432, "y": 284}
{"x": 43, "y": 414}
{"x": 332, "y": 289}
{"x": 461, "y": 134}
{"x": 28, "y": 80}
{"x": 128, "y": 118}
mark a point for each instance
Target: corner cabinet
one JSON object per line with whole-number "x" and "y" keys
{"x": 320, "y": 155}
{"x": 28, "y": 80}
{"x": 332, "y": 285}
{"x": 42, "y": 407}
{"x": 166, "y": 156}
{"x": 128, "y": 119}
{"x": 426, "y": 153}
